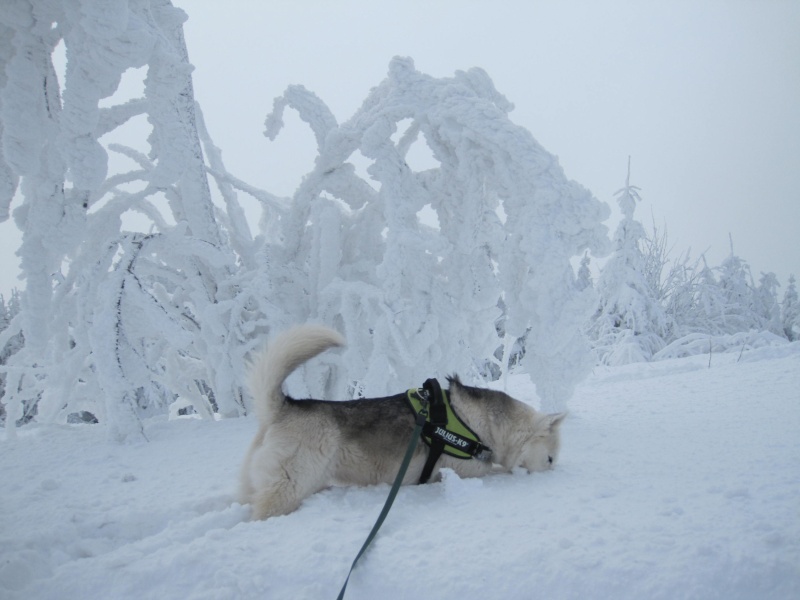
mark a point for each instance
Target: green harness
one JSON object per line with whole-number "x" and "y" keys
{"x": 443, "y": 431}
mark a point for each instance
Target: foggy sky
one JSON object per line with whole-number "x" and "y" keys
{"x": 704, "y": 96}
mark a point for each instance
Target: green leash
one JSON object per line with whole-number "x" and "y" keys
{"x": 412, "y": 445}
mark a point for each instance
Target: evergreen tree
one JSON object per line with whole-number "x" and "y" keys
{"x": 5, "y": 318}
{"x": 766, "y": 305}
{"x": 710, "y": 304}
{"x": 630, "y": 324}
{"x": 790, "y": 311}
{"x": 11, "y": 339}
{"x": 738, "y": 296}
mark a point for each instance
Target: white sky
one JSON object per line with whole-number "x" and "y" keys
{"x": 704, "y": 95}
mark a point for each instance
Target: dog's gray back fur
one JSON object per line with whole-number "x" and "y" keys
{"x": 304, "y": 446}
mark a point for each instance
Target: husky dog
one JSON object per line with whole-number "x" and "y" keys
{"x": 304, "y": 446}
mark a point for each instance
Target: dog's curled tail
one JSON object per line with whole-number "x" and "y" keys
{"x": 270, "y": 367}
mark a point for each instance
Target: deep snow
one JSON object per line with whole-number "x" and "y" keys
{"x": 675, "y": 481}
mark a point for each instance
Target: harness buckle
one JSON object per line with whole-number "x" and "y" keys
{"x": 484, "y": 454}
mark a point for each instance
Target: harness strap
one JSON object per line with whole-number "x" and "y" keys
{"x": 438, "y": 417}
{"x": 435, "y": 451}
{"x": 438, "y": 409}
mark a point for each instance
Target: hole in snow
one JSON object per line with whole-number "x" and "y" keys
{"x": 427, "y": 216}
{"x": 403, "y": 127}
{"x": 59, "y": 58}
{"x": 361, "y": 164}
{"x": 135, "y": 220}
{"x": 131, "y": 85}
{"x": 420, "y": 156}
{"x": 501, "y": 213}
{"x": 133, "y": 134}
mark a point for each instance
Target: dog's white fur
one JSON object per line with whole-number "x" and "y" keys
{"x": 305, "y": 446}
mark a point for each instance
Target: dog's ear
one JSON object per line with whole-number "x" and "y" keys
{"x": 554, "y": 420}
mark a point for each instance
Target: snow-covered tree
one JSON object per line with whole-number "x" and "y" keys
{"x": 121, "y": 323}
{"x": 697, "y": 303}
{"x": 11, "y": 339}
{"x": 98, "y": 334}
{"x": 790, "y": 311}
{"x": 5, "y": 320}
{"x": 630, "y": 323}
{"x": 766, "y": 305}
{"x": 738, "y": 295}
{"x": 584, "y": 273}
{"x": 655, "y": 250}
{"x": 5, "y": 314}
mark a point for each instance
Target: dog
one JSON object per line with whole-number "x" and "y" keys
{"x": 305, "y": 446}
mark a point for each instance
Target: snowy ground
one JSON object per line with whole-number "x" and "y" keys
{"x": 675, "y": 481}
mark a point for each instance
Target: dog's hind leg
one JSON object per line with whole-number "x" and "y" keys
{"x": 281, "y": 486}
{"x": 276, "y": 498}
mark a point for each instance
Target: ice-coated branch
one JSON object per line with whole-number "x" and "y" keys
{"x": 311, "y": 109}
{"x": 238, "y": 229}
{"x": 112, "y": 117}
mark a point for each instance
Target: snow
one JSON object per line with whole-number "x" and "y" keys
{"x": 675, "y": 481}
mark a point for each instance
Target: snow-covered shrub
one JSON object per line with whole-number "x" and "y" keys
{"x": 701, "y": 343}
{"x": 704, "y": 302}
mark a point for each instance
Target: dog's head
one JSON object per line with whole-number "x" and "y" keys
{"x": 518, "y": 435}
{"x": 539, "y": 450}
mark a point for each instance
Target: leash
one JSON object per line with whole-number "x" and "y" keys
{"x": 412, "y": 445}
